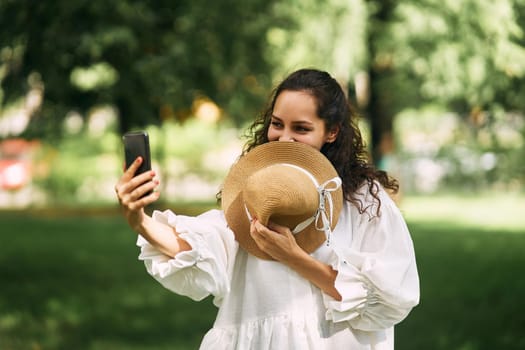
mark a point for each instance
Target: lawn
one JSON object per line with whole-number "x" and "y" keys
{"x": 73, "y": 282}
{"x": 471, "y": 256}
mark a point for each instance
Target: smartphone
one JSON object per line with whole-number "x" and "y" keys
{"x": 136, "y": 143}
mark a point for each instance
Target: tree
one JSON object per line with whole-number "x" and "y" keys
{"x": 467, "y": 56}
{"x": 381, "y": 105}
{"x": 149, "y": 59}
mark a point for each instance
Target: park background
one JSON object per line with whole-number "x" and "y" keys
{"x": 439, "y": 85}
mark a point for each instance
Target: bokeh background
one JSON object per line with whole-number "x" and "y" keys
{"x": 439, "y": 86}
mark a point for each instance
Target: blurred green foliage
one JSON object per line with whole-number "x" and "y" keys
{"x": 79, "y": 169}
{"x": 467, "y": 57}
{"x": 150, "y": 59}
{"x": 438, "y": 150}
{"x": 191, "y": 159}
{"x": 410, "y": 66}
{"x": 192, "y": 143}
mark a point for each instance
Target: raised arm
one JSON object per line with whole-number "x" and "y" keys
{"x": 132, "y": 195}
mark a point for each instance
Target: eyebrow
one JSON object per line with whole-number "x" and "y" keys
{"x": 294, "y": 122}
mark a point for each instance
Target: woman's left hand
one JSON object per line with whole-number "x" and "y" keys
{"x": 279, "y": 242}
{"x": 276, "y": 241}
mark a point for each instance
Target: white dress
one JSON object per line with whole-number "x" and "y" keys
{"x": 265, "y": 305}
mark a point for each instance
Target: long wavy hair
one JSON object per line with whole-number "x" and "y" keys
{"x": 348, "y": 152}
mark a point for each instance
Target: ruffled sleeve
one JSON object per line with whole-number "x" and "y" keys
{"x": 377, "y": 274}
{"x": 206, "y": 268}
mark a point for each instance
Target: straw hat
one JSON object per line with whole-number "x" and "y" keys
{"x": 288, "y": 183}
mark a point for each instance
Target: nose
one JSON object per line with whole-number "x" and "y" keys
{"x": 285, "y": 136}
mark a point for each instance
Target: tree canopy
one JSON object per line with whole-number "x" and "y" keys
{"x": 151, "y": 60}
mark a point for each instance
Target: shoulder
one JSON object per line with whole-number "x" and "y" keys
{"x": 213, "y": 214}
{"x": 213, "y": 218}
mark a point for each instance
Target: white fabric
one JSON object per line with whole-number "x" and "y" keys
{"x": 265, "y": 305}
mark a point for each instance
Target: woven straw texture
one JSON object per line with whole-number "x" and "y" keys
{"x": 281, "y": 194}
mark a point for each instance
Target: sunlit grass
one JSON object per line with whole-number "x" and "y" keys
{"x": 486, "y": 211}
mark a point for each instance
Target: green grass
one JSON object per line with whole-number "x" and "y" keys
{"x": 74, "y": 282}
{"x": 490, "y": 211}
{"x": 470, "y": 252}
{"x": 472, "y": 288}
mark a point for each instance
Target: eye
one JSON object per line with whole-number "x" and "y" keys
{"x": 303, "y": 129}
{"x": 276, "y": 124}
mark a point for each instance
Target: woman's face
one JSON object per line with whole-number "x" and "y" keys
{"x": 295, "y": 118}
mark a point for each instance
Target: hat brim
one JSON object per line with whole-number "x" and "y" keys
{"x": 295, "y": 153}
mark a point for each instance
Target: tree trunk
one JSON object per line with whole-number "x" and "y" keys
{"x": 380, "y": 116}
{"x": 379, "y": 108}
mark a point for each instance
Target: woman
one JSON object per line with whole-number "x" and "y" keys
{"x": 345, "y": 294}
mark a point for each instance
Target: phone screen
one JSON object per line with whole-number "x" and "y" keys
{"x": 136, "y": 144}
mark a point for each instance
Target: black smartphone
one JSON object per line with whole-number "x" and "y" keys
{"x": 136, "y": 143}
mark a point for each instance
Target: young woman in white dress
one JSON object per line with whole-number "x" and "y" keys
{"x": 273, "y": 289}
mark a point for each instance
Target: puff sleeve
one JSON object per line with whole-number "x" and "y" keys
{"x": 206, "y": 268}
{"x": 377, "y": 274}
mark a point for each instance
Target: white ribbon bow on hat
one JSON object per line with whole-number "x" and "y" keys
{"x": 323, "y": 220}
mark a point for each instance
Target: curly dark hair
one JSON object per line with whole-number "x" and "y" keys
{"x": 348, "y": 152}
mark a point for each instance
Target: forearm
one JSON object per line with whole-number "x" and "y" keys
{"x": 318, "y": 273}
{"x": 161, "y": 236}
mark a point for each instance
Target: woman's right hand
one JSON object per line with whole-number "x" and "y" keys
{"x": 132, "y": 193}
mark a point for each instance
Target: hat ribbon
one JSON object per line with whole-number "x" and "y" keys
{"x": 322, "y": 218}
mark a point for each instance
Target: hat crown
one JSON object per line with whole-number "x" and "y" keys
{"x": 282, "y": 193}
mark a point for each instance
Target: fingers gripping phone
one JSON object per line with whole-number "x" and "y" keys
{"x": 136, "y": 144}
